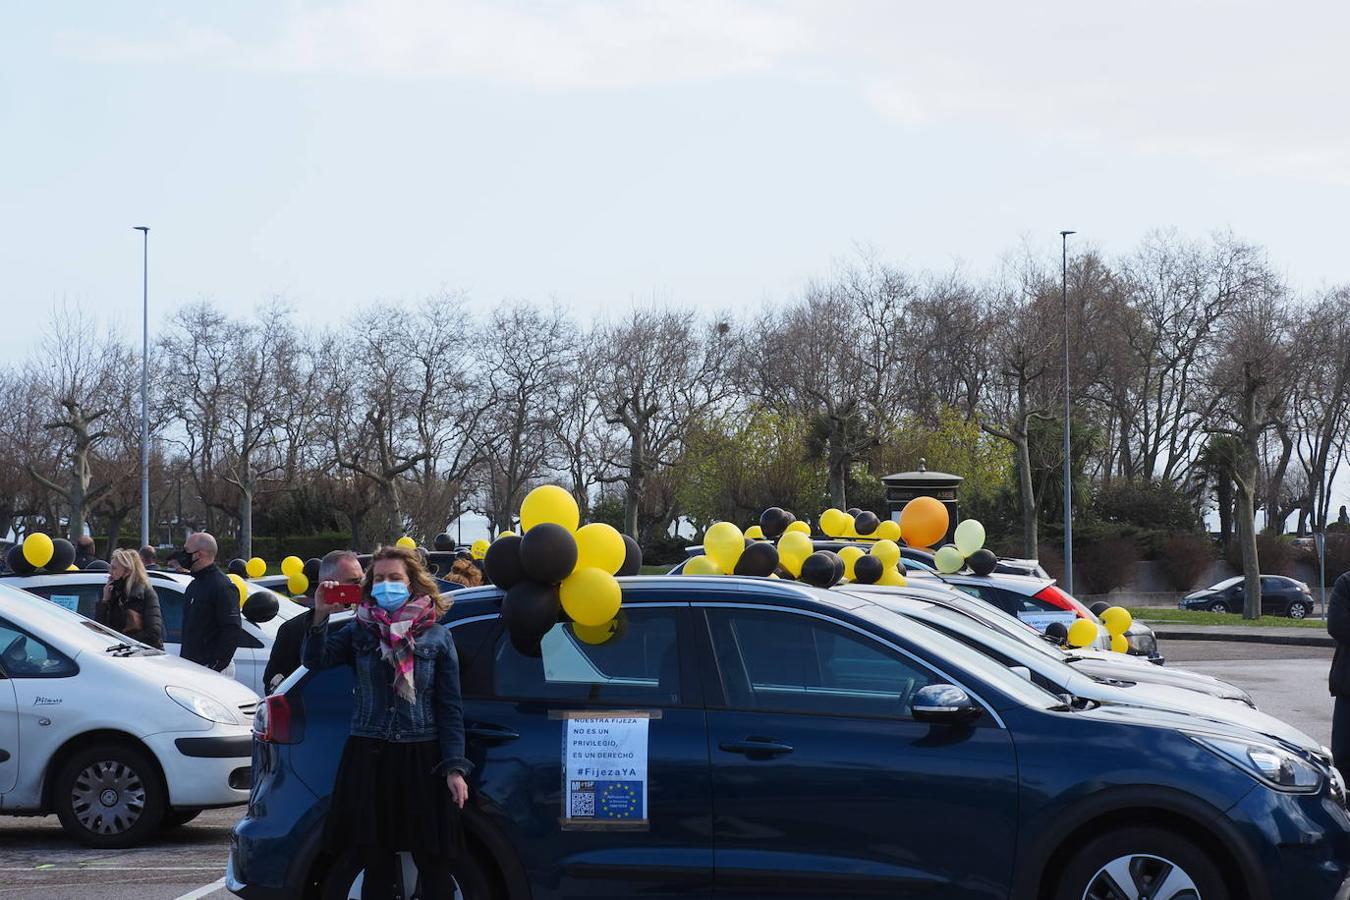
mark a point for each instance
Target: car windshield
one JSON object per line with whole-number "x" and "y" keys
{"x": 1004, "y": 639}
{"x": 1226, "y": 583}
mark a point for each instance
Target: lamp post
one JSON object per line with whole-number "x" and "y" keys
{"x": 1068, "y": 463}
{"x": 145, "y": 382}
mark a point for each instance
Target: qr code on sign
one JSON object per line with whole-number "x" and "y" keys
{"x": 583, "y": 805}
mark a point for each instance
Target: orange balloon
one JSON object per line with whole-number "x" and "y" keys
{"x": 923, "y": 522}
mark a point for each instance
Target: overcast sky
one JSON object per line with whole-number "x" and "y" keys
{"x": 715, "y": 154}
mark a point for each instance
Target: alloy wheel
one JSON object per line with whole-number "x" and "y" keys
{"x": 1297, "y": 611}
{"x": 108, "y": 797}
{"x": 1141, "y": 877}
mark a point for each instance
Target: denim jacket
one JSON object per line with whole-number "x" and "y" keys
{"x": 379, "y": 712}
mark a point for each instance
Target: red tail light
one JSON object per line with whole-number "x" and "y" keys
{"x": 1052, "y": 594}
{"x": 272, "y": 723}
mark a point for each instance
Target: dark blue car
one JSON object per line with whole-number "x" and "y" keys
{"x": 807, "y": 743}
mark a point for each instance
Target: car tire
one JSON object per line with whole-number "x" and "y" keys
{"x": 1218, "y": 606}
{"x": 1160, "y": 864}
{"x": 177, "y": 818}
{"x": 472, "y": 879}
{"x": 1298, "y": 609}
{"x": 109, "y": 796}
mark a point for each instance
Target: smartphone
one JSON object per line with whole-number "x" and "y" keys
{"x": 344, "y": 594}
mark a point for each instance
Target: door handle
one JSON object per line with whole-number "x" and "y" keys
{"x": 489, "y": 733}
{"x": 754, "y": 746}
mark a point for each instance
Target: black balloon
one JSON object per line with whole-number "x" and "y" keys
{"x": 774, "y": 521}
{"x": 238, "y": 567}
{"x": 16, "y": 562}
{"x": 63, "y": 555}
{"x": 311, "y": 572}
{"x": 443, "y": 541}
{"x": 527, "y": 645}
{"x": 865, "y": 523}
{"x": 818, "y": 570}
{"x": 632, "y": 557}
{"x": 760, "y": 558}
{"x": 502, "y": 562}
{"x": 1099, "y": 607}
{"x": 982, "y": 561}
{"x": 530, "y": 609}
{"x": 97, "y": 565}
{"x": 548, "y": 553}
{"x": 261, "y": 606}
{"x": 839, "y": 567}
{"x": 1057, "y": 630}
{"x": 867, "y": 569}
{"x": 854, "y": 511}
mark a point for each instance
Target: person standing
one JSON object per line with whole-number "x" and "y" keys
{"x": 1338, "y": 680}
{"x": 84, "y": 551}
{"x": 211, "y": 622}
{"x": 400, "y": 785}
{"x": 149, "y": 558}
{"x": 129, "y": 604}
{"x": 337, "y": 567}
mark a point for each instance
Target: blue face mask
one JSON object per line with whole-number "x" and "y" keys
{"x": 391, "y": 595}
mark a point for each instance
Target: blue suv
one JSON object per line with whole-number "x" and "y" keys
{"x": 794, "y": 742}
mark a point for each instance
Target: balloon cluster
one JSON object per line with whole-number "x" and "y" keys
{"x": 857, "y": 523}
{"x": 40, "y": 552}
{"x": 560, "y": 564}
{"x": 881, "y": 564}
{"x": 1117, "y": 619}
{"x": 729, "y": 551}
{"x": 968, "y": 550}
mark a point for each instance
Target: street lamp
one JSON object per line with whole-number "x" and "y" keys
{"x": 145, "y": 383}
{"x": 1068, "y": 465}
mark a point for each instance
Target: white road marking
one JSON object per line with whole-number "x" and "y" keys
{"x": 203, "y": 891}
{"x": 110, "y": 869}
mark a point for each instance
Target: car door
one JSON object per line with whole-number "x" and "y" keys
{"x": 1274, "y": 596}
{"x": 824, "y": 785}
{"x": 9, "y": 736}
{"x": 596, "y": 835}
{"x": 37, "y": 682}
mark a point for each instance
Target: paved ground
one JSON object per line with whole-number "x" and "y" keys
{"x": 37, "y": 861}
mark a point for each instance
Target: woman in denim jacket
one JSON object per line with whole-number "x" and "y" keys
{"x": 400, "y": 785}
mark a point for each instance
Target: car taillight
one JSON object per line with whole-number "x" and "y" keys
{"x": 272, "y": 722}
{"x": 1052, "y": 594}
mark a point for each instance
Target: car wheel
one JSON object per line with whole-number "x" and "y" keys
{"x": 345, "y": 878}
{"x": 109, "y": 796}
{"x": 177, "y": 818}
{"x": 1219, "y": 606}
{"x": 1298, "y": 610}
{"x": 1141, "y": 862}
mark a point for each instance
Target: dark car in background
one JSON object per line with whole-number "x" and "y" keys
{"x": 801, "y": 742}
{"x": 1280, "y": 596}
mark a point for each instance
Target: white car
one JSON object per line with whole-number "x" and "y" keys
{"x": 80, "y": 591}
{"x": 116, "y": 738}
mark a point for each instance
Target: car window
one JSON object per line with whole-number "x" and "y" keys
{"x": 1009, "y": 601}
{"x": 171, "y": 608}
{"x": 83, "y": 597}
{"x": 1274, "y": 584}
{"x": 639, "y": 663}
{"x": 786, "y": 662}
{"x": 24, "y": 656}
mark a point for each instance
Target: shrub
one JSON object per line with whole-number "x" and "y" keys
{"x": 1106, "y": 565}
{"x": 1157, "y": 505}
{"x": 1275, "y": 554}
{"x": 1185, "y": 559}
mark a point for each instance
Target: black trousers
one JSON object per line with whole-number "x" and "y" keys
{"x": 1340, "y": 735}
{"x": 433, "y": 870}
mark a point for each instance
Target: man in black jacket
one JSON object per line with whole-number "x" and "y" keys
{"x": 84, "y": 551}
{"x": 211, "y": 622}
{"x": 1338, "y": 625}
{"x": 341, "y": 566}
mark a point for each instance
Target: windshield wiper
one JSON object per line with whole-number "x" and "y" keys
{"x": 117, "y": 648}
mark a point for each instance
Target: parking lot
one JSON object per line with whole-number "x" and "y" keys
{"x": 38, "y": 861}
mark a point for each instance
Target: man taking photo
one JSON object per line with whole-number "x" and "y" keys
{"x": 341, "y": 566}
{"x": 211, "y": 622}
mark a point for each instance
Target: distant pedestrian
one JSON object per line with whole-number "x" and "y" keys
{"x": 211, "y": 622}
{"x": 337, "y": 566}
{"x": 1338, "y": 626}
{"x": 129, "y": 604}
{"x": 149, "y": 558}
{"x": 464, "y": 572}
{"x": 84, "y": 551}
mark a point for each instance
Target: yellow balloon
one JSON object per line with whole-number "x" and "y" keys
{"x": 888, "y": 552}
{"x": 255, "y": 567}
{"x": 800, "y": 527}
{"x": 701, "y": 565}
{"x": 1082, "y": 633}
{"x": 406, "y": 543}
{"x": 723, "y": 544}
{"x": 969, "y": 537}
{"x": 595, "y": 634}
{"x": 834, "y": 522}
{"x": 241, "y": 586}
{"x": 1117, "y": 619}
{"x": 754, "y": 532}
{"x": 37, "y": 549}
{"x": 891, "y": 577}
{"x": 1119, "y": 644}
{"x": 889, "y": 530}
{"x": 292, "y": 566}
{"x": 850, "y": 555}
{"x": 948, "y": 559}
{"x": 793, "y": 549}
{"x": 549, "y": 503}
{"x": 479, "y": 548}
{"x": 590, "y": 596}
{"x": 506, "y": 534}
{"x": 298, "y": 583}
{"x": 600, "y": 546}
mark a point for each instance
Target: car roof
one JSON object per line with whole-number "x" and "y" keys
{"x": 1021, "y": 584}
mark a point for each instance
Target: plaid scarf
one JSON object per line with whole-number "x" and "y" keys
{"x": 397, "y": 633}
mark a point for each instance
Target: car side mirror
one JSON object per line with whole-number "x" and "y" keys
{"x": 943, "y": 704}
{"x": 261, "y": 606}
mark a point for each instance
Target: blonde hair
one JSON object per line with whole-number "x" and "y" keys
{"x": 420, "y": 582}
{"x": 131, "y": 561}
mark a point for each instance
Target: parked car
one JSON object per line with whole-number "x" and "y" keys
{"x": 116, "y": 738}
{"x": 1095, "y": 662}
{"x": 1280, "y": 596}
{"x": 815, "y": 739}
{"x": 80, "y": 591}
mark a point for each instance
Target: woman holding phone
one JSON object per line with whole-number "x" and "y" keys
{"x": 129, "y": 604}
{"x": 401, "y": 783}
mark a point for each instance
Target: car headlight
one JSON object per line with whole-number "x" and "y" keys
{"x": 201, "y": 705}
{"x": 1143, "y": 643}
{"x": 1276, "y": 767}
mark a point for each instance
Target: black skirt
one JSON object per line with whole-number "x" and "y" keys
{"x": 388, "y": 798}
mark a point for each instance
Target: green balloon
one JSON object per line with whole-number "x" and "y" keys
{"x": 949, "y": 560}
{"x": 969, "y": 537}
